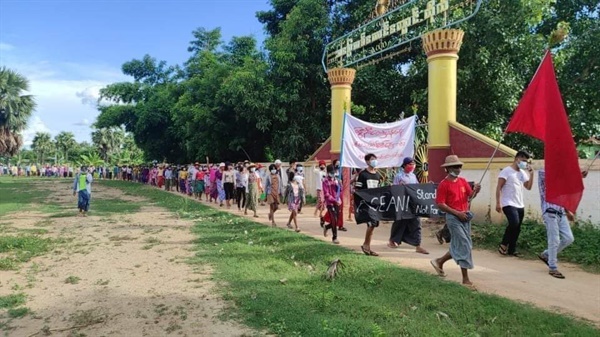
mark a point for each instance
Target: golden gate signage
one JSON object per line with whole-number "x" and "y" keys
{"x": 379, "y": 38}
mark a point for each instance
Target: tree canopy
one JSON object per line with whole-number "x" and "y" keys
{"x": 233, "y": 99}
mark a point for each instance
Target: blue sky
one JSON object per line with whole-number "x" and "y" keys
{"x": 70, "y": 49}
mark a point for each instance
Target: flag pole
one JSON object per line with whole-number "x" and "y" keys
{"x": 492, "y": 157}
{"x": 593, "y": 160}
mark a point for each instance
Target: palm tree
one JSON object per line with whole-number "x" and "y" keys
{"x": 65, "y": 141}
{"x": 15, "y": 110}
{"x": 108, "y": 141}
{"x": 42, "y": 145}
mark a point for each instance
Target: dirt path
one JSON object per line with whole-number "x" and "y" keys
{"x": 127, "y": 274}
{"x": 517, "y": 279}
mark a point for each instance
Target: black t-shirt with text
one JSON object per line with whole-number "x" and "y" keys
{"x": 367, "y": 179}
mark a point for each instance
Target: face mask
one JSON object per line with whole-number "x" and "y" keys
{"x": 373, "y": 163}
{"x": 273, "y": 171}
{"x": 454, "y": 173}
{"x": 522, "y": 165}
{"x": 409, "y": 168}
{"x": 252, "y": 169}
{"x": 337, "y": 174}
{"x": 322, "y": 167}
{"x": 300, "y": 169}
{"x": 331, "y": 174}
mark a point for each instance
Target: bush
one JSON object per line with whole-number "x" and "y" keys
{"x": 532, "y": 241}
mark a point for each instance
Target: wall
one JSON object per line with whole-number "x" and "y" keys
{"x": 485, "y": 203}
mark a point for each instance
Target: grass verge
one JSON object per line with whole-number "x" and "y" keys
{"x": 275, "y": 278}
{"x": 18, "y": 249}
{"x": 585, "y": 251}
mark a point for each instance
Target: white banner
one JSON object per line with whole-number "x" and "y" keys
{"x": 390, "y": 142}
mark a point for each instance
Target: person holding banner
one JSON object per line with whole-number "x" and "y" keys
{"x": 368, "y": 178}
{"x": 453, "y": 196}
{"x": 407, "y": 230}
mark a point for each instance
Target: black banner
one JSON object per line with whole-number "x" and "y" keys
{"x": 396, "y": 202}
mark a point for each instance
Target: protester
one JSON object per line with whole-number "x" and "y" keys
{"x": 368, "y": 178}
{"x": 319, "y": 174}
{"x": 252, "y": 190}
{"x": 229, "y": 184}
{"x": 558, "y": 230}
{"x": 332, "y": 190}
{"x": 80, "y": 188}
{"x": 452, "y": 197}
{"x": 219, "y": 182}
{"x": 168, "y": 175}
{"x": 241, "y": 183}
{"x": 274, "y": 190}
{"x": 293, "y": 196}
{"x": 206, "y": 183}
{"x": 182, "y": 180}
{"x": 406, "y": 230}
{"x": 509, "y": 199}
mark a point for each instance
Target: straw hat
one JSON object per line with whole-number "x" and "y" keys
{"x": 251, "y": 165}
{"x": 452, "y": 160}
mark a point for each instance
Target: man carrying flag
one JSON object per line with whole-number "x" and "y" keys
{"x": 541, "y": 114}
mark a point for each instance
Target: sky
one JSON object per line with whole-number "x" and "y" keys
{"x": 70, "y": 49}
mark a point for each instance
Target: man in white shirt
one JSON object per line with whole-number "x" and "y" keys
{"x": 509, "y": 199}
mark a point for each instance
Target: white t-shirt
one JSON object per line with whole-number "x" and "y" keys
{"x": 319, "y": 176}
{"x": 512, "y": 191}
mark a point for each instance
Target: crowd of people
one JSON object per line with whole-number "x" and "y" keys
{"x": 247, "y": 185}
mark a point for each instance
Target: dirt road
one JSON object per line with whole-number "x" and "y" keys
{"x": 514, "y": 278}
{"x": 116, "y": 275}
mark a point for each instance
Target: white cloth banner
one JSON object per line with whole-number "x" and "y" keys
{"x": 390, "y": 142}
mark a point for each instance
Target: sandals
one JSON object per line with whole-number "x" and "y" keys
{"x": 343, "y": 229}
{"x": 502, "y": 251}
{"x": 439, "y": 237}
{"x": 368, "y": 252}
{"x": 297, "y": 230}
{"x": 543, "y": 258}
{"x": 393, "y": 245}
{"x": 556, "y": 273}
{"x": 437, "y": 268}
{"x": 289, "y": 225}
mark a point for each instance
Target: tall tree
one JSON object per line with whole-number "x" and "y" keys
{"x": 42, "y": 145}
{"x": 15, "y": 110}
{"x": 65, "y": 141}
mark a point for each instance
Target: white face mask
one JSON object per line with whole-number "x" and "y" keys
{"x": 522, "y": 165}
{"x": 252, "y": 169}
{"x": 300, "y": 169}
{"x": 273, "y": 171}
{"x": 373, "y": 163}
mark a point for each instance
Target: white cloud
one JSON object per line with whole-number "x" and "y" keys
{"x": 66, "y": 93}
{"x": 6, "y": 46}
{"x": 34, "y": 126}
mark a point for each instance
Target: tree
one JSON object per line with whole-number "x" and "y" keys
{"x": 65, "y": 141}
{"x": 15, "y": 110}
{"x": 108, "y": 141}
{"x": 42, "y": 145}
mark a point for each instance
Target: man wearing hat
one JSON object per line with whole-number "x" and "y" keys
{"x": 407, "y": 230}
{"x": 452, "y": 197}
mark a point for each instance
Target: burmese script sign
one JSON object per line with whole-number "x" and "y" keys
{"x": 396, "y": 202}
{"x": 390, "y": 142}
{"x": 380, "y": 37}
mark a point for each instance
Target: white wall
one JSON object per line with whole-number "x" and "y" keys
{"x": 484, "y": 205}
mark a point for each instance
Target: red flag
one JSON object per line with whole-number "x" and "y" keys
{"x": 541, "y": 114}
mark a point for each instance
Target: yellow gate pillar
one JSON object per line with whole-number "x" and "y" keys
{"x": 341, "y": 80}
{"x": 441, "y": 47}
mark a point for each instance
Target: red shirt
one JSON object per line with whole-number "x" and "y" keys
{"x": 455, "y": 194}
{"x": 199, "y": 175}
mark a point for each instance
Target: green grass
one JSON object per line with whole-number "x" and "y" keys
{"x": 72, "y": 280}
{"x": 11, "y": 301}
{"x": 100, "y": 206}
{"x": 18, "y": 312}
{"x": 21, "y": 249}
{"x": 16, "y": 194}
{"x": 585, "y": 251}
{"x": 275, "y": 279}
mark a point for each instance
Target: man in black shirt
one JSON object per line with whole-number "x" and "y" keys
{"x": 368, "y": 178}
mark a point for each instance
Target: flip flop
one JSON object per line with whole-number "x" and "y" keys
{"x": 543, "y": 258}
{"x": 372, "y": 253}
{"x": 502, "y": 251}
{"x": 393, "y": 246}
{"x": 439, "y": 270}
{"x": 366, "y": 252}
{"x": 556, "y": 273}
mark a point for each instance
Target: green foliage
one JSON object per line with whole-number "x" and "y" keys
{"x": 18, "y": 312}
{"x": 15, "y": 110}
{"x": 19, "y": 249}
{"x": 229, "y": 98}
{"x": 72, "y": 279}
{"x": 532, "y": 241}
{"x": 11, "y": 301}
{"x": 370, "y": 297}
{"x": 42, "y": 145}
